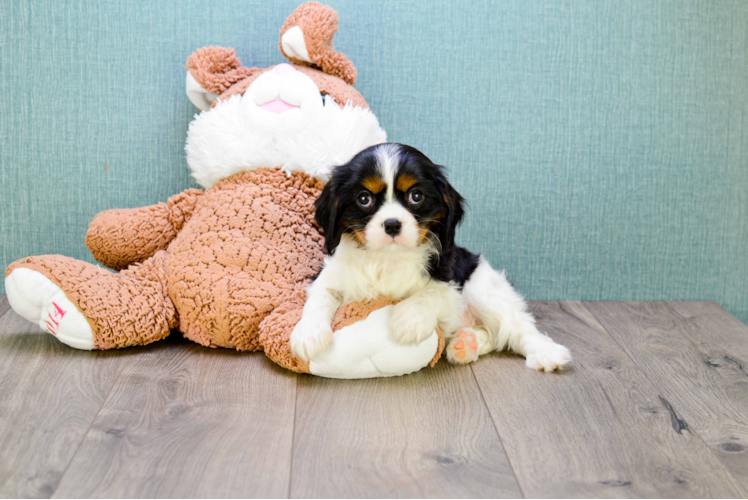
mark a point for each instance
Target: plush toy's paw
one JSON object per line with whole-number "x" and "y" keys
{"x": 36, "y": 298}
{"x": 463, "y": 347}
{"x": 547, "y": 356}
{"x": 410, "y": 323}
{"x": 310, "y": 337}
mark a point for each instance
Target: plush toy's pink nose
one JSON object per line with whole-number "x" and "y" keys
{"x": 283, "y": 69}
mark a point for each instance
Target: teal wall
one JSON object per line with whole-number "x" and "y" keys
{"x": 603, "y": 144}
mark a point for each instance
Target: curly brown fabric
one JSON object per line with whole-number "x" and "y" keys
{"x": 118, "y": 238}
{"x": 123, "y": 309}
{"x": 251, "y": 239}
{"x": 439, "y": 348}
{"x": 276, "y": 329}
{"x": 350, "y": 313}
{"x": 217, "y": 68}
{"x": 244, "y": 244}
{"x": 319, "y": 23}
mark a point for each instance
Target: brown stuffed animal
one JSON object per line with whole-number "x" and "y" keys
{"x": 227, "y": 266}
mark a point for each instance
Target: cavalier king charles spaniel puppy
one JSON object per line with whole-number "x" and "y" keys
{"x": 389, "y": 217}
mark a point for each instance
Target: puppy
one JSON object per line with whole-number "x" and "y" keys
{"x": 389, "y": 217}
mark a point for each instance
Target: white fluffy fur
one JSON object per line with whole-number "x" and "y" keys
{"x": 357, "y": 273}
{"x": 237, "y": 135}
{"x": 488, "y": 316}
{"x": 494, "y": 304}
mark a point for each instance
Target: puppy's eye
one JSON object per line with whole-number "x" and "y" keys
{"x": 415, "y": 197}
{"x": 364, "y": 199}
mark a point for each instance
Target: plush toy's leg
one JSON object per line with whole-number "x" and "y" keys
{"x": 276, "y": 328}
{"x": 88, "y": 307}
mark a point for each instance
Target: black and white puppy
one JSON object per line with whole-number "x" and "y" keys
{"x": 389, "y": 217}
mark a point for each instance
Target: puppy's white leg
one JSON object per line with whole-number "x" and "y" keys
{"x": 414, "y": 319}
{"x": 313, "y": 333}
{"x": 503, "y": 312}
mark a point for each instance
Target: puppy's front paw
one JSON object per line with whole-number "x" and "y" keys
{"x": 548, "y": 356}
{"x": 410, "y": 323}
{"x": 310, "y": 337}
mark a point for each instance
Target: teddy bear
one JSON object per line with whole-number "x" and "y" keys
{"x": 227, "y": 265}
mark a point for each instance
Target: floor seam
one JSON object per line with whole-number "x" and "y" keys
{"x": 2, "y": 304}
{"x": 660, "y": 392}
{"x": 293, "y": 435}
{"x": 103, "y": 404}
{"x": 498, "y": 434}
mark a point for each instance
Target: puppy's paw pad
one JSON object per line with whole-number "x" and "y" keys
{"x": 549, "y": 358}
{"x": 463, "y": 347}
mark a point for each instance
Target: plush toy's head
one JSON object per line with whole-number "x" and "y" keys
{"x": 302, "y": 116}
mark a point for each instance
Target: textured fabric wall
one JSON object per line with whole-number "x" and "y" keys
{"x": 602, "y": 144}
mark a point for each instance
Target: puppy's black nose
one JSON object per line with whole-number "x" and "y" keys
{"x": 392, "y": 227}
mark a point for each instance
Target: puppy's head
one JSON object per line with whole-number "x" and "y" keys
{"x": 389, "y": 197}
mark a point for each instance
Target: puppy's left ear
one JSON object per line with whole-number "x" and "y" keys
{"x": 327, "y": 214}
{"x": 454, "y": 202}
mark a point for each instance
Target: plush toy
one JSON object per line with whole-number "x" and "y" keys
{"x": 227, "y": 266}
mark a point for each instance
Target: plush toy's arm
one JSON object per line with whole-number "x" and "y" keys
{"x": 210, "y": 72}
{"x": 118, "y": 238}
{"x": 361, "y": 348}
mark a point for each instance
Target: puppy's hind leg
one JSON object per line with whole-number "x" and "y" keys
{"x": 503, "y": 312}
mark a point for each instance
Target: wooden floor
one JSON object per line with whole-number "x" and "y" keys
{"x": 656, "y": 405}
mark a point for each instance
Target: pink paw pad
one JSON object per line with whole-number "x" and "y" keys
{"x": 463, "y": 348}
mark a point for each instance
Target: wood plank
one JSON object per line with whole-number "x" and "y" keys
{"x": 49, "y": 396}
{"x": 599, "y": 430}
{"x": 188, "y": 421}
{"x": 696, "y": 353}
{"x": 4, "y": 305}
{"x": 422, "y": 435}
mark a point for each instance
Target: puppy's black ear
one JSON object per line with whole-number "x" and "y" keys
{"x": 454, "y": 204}
{"x": 327, "y": 214}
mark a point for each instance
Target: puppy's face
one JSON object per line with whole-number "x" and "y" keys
{"x": 389, "y": 197}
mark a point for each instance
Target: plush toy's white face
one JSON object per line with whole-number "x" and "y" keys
{"x": 282, "y": 120}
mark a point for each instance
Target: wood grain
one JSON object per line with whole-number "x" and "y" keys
{"x": 422, "y": 435}
{"x": 188, "y": 421}
{"x": 696, "y": 353}
{"x": 4, "y": 305}
{"x": 49, "y": 396}
{"x": 599, "y": 430}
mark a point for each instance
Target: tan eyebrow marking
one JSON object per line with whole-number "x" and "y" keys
{"x": 405, "y": 182}
{"x": 374, "y": 184}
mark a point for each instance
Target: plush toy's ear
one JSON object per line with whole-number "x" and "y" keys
{"x": 306, "y": 39}
{"x": 210, "y": 72}
{"x": 327, "y": 215}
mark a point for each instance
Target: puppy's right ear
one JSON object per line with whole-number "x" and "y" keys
{"x": 327, "y": 214}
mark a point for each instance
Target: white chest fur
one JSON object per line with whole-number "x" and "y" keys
{"x": 366, "y": 274}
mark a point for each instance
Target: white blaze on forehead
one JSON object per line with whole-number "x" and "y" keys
{"x": 388, "y": 159}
